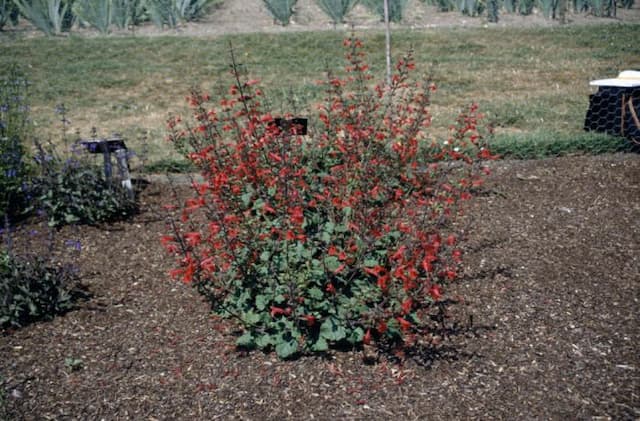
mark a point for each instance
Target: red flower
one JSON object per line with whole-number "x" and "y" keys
{"x": 375, "y": 271}
{"x": 451, "y": 240}
{"x": 427, "y": 262}
{"x": 208, "y": 264}
{"x": 310, "y": 319}
{"x": 399, "y": 253}
{"x": 268, "y": 209}
{"x": 435, "y": 292}
{"x": 296, "y": 215}
{"x": 383, "y": 281}
{"x": 407, "y": 305}
{"x": 277, "y": 311}
{"x": 404, "y": 324}
{"x": 193, "y": 238}
{"x": 450, "y": 274}
{"x": 367, "y": 337}
{"x": 382, "y": 327}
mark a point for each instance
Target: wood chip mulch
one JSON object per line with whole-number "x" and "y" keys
{"x": 550, "y": 320}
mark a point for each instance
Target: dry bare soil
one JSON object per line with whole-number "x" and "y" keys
{"x": 549, "y": 328}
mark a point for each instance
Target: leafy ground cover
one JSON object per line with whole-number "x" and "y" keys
{"x": 549, "y": 329}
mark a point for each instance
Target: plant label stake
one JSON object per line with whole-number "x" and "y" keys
{"x": 115, "y": 145}
{"x": 299, "y": 124}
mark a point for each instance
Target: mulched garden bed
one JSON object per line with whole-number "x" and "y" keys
{"x": 548, "y": 329}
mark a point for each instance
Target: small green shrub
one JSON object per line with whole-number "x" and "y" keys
{"x": 192, "y": 10}
{"x": 470, "y": 7}
{"x": 396, "y": 9}
{"x": 73, "y": 364}
{"x": 8, "y": 13}
{"x": 33, "y": 289}
{"x": 162, "y": 13}
{"x": 493, "y": 10}
{"x": 171, "y": 12}
{"x": 280, "y": 10}
{"x": 522, "y": 7}
{"x": 548, "y": 7}
{"x": 127, "y": 12}
{"x": 14, "y": 130}
{"x": 336, "y": 9}
{"x": 525, "y": 7}
{"x": 50, "y": 16}
{"x": 75, "y": 191}
{"x": 442, "y": 5}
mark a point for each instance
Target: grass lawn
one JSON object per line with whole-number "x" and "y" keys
{"x": 532, "y": 83}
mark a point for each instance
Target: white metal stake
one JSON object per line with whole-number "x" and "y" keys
{"x": 388, "y": 40}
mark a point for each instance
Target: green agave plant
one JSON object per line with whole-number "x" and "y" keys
{"x": 280, "y": 10}
{"x": 336, "y": 9}
{"x": 50, "y": 16}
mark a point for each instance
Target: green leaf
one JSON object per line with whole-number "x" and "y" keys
{"x": 246, "y": 199}
{"x": 316, "y": 293}
{"x": 286, "y": 349}
{"x": 356, "y": 335}
{"x": 246, "y": 340}
{"x": 329, "y": 227}
{"x": 341, "y": 228}
{"x": 261, "y": 302}
{"x": 325, "y": 237}
{"x": 264, "y": 341}
{"x": 251, "y": 318}
{"x": 332, "y": 330}
{"x": 321, "y": 345}
{"x": 332, "y": 263}
{"x": 371, "y": 263}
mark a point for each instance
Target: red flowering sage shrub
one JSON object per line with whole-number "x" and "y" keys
{"x": 341, "y": 236}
